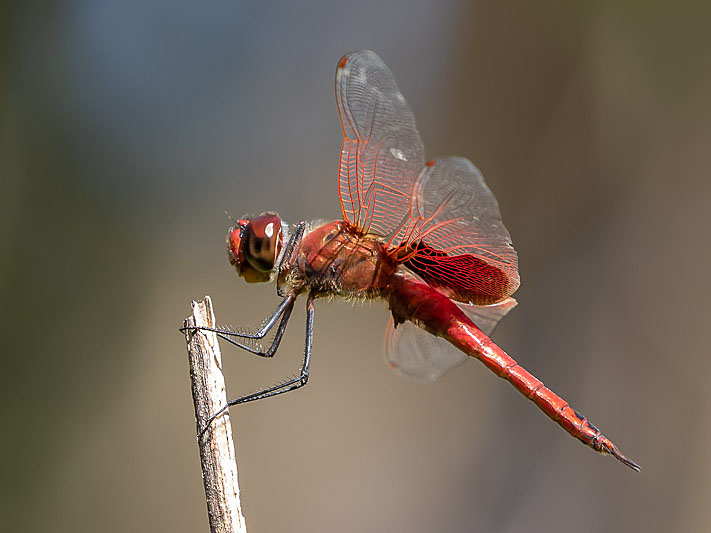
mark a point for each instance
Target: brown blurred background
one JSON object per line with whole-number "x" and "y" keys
{"x": 126, "y": 130}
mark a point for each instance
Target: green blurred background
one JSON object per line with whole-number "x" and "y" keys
{"x": 128, "y": 128}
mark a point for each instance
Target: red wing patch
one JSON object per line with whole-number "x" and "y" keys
{"x": 467, "y": 278}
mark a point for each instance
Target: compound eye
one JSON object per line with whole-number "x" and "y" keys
{"x": 261, "y": 242}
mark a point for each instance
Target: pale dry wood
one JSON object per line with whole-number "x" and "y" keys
{"x": 217, "y": 452}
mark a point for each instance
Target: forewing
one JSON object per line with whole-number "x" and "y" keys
{"x": 454, "y": 237}
{"x": 413, "y": 352}
{"x": 440, "y": 220}
{"x": 382, "y": 153}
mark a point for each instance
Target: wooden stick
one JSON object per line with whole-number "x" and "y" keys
{"x": 217, "y": 452}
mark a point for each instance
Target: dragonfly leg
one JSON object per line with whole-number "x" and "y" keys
{"x": 288, "y": 385}
{"x": 273, "y": 347}
{"x": 284, "y": 310}
{"x": 293, "y": 383}
{"x": 294, "y": 240}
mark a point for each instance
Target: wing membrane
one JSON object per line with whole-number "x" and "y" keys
{"x": 454, "y": 237}
{"x": 439, "y": 219}
{"x": 382, "y": 152}
{"x": 413, "y": 352}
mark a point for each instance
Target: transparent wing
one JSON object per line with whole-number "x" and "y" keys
{"x": 454, "y": 237}
{"x": 487, "y": 316}
{"x": 382, "y": 153}
{"x": 441, "y": 220}
{"x": 413, "y": 352}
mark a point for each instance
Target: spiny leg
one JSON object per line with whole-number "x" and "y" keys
{"x": 284, "y": 310}
{"x": 261, "y": 333}
{"x": 294, "y": 240}
{"x": 287, "y": 386}
{"x": 274, "y": 346}
{"x": 293, "y": 383}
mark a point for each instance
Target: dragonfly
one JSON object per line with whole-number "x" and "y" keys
{"x": 426, "y": 237}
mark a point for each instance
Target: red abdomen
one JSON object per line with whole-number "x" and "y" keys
{"x": 417, "y": 301}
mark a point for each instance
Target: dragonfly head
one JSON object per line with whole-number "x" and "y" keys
{"x": 253, "y": 246}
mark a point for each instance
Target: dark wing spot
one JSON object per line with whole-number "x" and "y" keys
{"x": 470, "y": 278}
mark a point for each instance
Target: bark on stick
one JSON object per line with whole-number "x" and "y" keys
{"x": 217, "y": 452}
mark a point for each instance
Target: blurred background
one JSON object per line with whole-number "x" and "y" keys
{"x": 128, "y": 128}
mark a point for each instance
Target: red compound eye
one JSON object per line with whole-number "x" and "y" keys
{"x": 254, "y": 245}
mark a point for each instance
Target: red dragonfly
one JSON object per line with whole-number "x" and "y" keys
{"x": 426, "y": 237}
